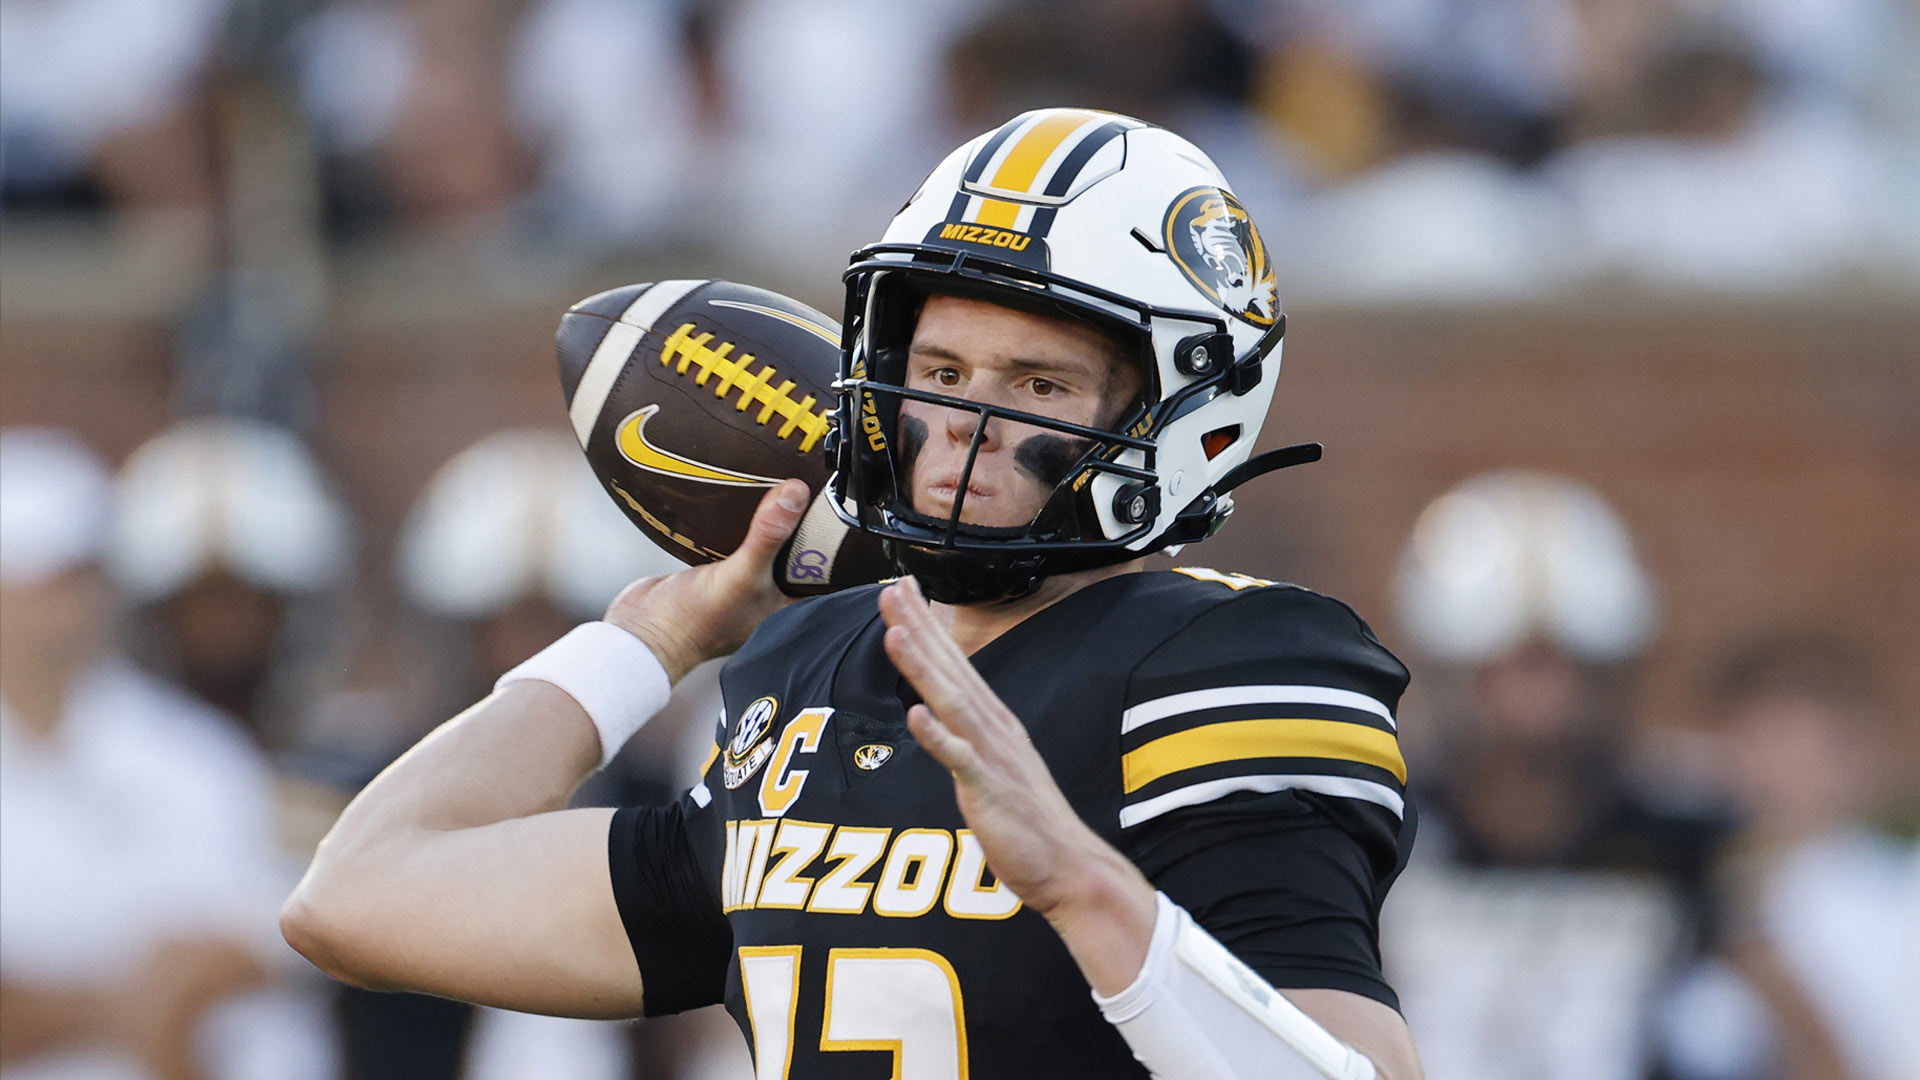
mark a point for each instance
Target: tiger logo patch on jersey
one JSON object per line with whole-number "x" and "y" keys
{"x": 872, "y": 756}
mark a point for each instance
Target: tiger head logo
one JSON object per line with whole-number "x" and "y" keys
{"x": 1212, "y": 239}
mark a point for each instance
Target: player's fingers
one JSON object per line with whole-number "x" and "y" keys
{"x": 933, "y": 663}
{"x": 774, "y": 520}
{"x": 935, "y": 682}
{"x": 925, "y": 653}
{"x": 902, "y": 605}
{"x": 948, "y": 748}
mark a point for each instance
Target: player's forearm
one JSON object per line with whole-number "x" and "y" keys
{"x": 1105, "y": 916}
{"x": 522, "y": 751}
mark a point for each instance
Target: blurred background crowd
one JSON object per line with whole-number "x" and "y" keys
{"x": 1606, "y": 311}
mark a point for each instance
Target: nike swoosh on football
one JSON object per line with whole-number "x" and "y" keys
{"x": 635, "y": 447}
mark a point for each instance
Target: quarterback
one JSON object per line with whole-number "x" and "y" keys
{"x": 1032, "y": 810}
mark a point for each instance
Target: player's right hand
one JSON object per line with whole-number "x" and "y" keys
{"x": 706, "y": 611}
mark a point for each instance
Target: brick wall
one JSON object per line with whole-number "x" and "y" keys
{"x": 1766, "y": 457}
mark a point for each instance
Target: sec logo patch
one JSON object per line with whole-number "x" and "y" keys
{"x": 749, "y": 748}
{"x": 1210, "y": 237}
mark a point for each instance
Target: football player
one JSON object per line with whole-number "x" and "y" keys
{"x": 939, "y": 811}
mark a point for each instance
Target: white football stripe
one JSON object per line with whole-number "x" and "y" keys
{"x": 824, "y": 334}
{"x": 597, "y": 381}
{"x": 1195, "y": 794}
{"x": 1196, "y": 700}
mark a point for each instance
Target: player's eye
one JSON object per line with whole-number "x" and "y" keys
{"x": 1043, "y": 387}
{"x": 946, "y": 376}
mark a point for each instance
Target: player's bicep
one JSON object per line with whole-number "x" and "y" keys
{"x": 519, "y": 914}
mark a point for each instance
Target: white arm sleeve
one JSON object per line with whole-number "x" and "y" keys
{"x": 1195, "y": 1012}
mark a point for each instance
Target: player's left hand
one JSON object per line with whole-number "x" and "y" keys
{"x": 1033, "y": 839}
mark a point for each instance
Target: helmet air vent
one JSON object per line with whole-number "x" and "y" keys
{"x": 1215, "y": 442}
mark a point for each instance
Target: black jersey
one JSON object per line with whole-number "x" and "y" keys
{"x": 1235, "y": 738}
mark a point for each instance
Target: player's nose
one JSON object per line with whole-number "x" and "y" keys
{"x": 961, "y": 424}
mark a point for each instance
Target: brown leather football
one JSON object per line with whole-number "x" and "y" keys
{"x": 692, "y": 398}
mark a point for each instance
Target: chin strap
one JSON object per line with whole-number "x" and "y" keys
{"x": 968, "y": 577}
{"x": 1272, "y": 461}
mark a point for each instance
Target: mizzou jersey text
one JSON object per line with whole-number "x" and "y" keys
{"x": 1233, "y": 737}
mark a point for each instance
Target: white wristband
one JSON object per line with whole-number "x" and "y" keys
{"x": 611, "y": 673}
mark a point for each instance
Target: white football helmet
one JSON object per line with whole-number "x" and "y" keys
{"x": 1106, "y": 219}
{"x": 1514, "y": 555}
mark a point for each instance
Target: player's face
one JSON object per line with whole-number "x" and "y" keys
{"x": 1053, "y": 367}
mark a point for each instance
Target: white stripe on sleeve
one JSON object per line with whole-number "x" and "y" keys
{"x": 1195, "y": 794}
{"x": 1219, "y": 697}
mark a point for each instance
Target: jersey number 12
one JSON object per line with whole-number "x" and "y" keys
{"x": 902, "y": 1001}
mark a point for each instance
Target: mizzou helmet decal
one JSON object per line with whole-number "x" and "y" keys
{"x": 1212, "y": 240}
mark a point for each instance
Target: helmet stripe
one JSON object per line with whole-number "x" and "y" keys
{"x": 1017, "y": 172}
{"x": 978, "y": 166}
{"x": 1076, "y": 160}
{"x": 999, "y": 213}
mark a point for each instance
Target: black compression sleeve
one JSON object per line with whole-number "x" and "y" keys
{"x": 680, "y": 940}
{"x": 1278, "y": 882}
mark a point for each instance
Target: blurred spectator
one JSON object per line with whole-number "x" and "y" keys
{"x": 510, "y": 545}
{"x": 1160, "y": 60}
{"x": 1179, "y": 63}
{"x": 408, "y": 102}
{"x": 514, "y": 540}
{"x": 137, "y": 904}
{"x": 616, "y": 100}
{"x": 1811, "y": 976}
{"x": 832, "y": 109}
{"x": 1725, "y": 185}
{"x": 105, "y": 101}
{"x": 230, "y": 543}
{"x": 1460, "y": 148}
{"x": 1551, "y": 895}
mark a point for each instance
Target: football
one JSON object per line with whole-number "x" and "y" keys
{"x": 691, "y": 398}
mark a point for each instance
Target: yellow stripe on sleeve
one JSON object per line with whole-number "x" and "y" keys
{"x": 1236, "y": 740}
